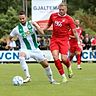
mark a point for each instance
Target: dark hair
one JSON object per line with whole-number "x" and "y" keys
{"x": 22, "y": 13}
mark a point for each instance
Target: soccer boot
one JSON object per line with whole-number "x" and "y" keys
{"x": 54, "y": 82}
{"x": 64, "y": 80}
{"x": 70, "y": 73}
{"x": 28, "y": 79}
{"x": 79, "y": 68}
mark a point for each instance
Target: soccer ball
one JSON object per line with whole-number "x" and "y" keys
{"x": 17, "y": 80}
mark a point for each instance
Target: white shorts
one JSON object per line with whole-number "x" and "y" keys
{"x": 35, "y": 54}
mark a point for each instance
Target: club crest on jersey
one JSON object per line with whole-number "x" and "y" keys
{"x": 27, "y": 33}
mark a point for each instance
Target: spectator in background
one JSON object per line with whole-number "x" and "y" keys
{"x": 42, "y": 45}
{"x": 47, "y": 42}
{"x": 87, "y": 42}
{"x": 93, "y": 44}
{"x": 3, "y": 44}
{"x": 17, "y": 44}
{"x": 11, "y": 44}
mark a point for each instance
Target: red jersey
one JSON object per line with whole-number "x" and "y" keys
{"x": 74, "y": 40}
{"x": 61, "y": 25}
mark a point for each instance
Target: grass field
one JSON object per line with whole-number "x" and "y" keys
{"x": 83, "y": 82}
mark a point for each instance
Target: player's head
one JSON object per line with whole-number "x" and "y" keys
{"x": 62, "y": 9}
{"x": 77, "y": 22}
{"x": 22, "y": 17}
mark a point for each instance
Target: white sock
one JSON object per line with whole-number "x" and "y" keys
{"x": 49, "y": 73}
{"x": 78, "y": 66}
{"x": 24, "y": 66}
{"x": 63, "y": 76}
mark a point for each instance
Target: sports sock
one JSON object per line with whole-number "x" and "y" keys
{"x": 49, "y": 73}
{"x": 59, "y": 66}
{"x": 24, "y": 66}
{"x": 78, "y": 56}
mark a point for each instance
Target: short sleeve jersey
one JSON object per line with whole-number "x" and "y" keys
{"x": 61, "y": 25}
{"x": 30, "y": 40}
{"x": 79, "y": 31}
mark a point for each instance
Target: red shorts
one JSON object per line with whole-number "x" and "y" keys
{"x": 61, "y": 44}
{"x": 75, "y": 48}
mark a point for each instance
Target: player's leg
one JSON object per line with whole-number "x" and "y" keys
{"x": 39, "y": 57}
{"x": 64, "y": 47}
{"x": 71, "y": 56}
{"x": 24, "y": 66}
{"x": 55, "y": 53}
{"x": 78, "y": 56}
{"x": 71, "y": 52}
{"x": 68, "y": 64}
{"x": 48, "y": 71}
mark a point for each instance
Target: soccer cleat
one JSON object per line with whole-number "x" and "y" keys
{"x": 54, "y": 83}
{"x": 70, "y": 73}
{"x": 79, "y": 68}
{"x": 64, "y": 80}
{"x": 28, "y": 79}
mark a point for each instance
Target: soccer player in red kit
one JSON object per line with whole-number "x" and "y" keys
{"x": 76, "y": 49}
{"x": 59, "y": 42}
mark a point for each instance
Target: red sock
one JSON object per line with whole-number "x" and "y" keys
{"x": 78, "y": 56}
{"x": 59, "y": 66}
{"x": 71, "y": 57}
{"x": 67, "y": 63}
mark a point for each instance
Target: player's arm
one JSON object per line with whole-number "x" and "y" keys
{"x": 71, "y": 36}
{"x": 48, "y": 24}
{"x": 76, "y": 35}
{"x": 38, "y": 28}
{"x": 73, "y": 27}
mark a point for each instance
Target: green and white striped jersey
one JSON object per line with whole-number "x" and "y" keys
{"x": 27, "y": 36}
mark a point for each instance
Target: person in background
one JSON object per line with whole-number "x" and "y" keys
{"x": 76, "y": 49}
{"x": 12, "y": 44}
{"x": 87, "y": 42}
{"x": 93, "y": 45}
{"x": 26, "y": 33}
{"x": 17, "y": 44}
{"x": 59, "y": 42}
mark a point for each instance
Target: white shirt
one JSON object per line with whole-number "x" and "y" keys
{"x": 15, "y": 32}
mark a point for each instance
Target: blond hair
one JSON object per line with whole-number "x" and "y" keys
{"x": 62, "y": 4}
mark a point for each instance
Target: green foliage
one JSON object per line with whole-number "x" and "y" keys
{"x": 88, "y": 21}
{"x": 5, "y": 4}
{"x": 85, "y": 10}
{"x": 8, "y": 21}
{"x": 88, "y": 6}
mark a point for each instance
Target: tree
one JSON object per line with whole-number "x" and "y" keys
{"x": 8, "y": 21}
{"x": 5, "y": 4}
{"x": 88, "y": 21}
{"x": 87, "y": 5}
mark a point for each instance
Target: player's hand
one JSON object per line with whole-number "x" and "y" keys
{"x": 35, "y": 24}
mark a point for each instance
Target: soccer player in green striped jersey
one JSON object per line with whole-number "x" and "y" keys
{"x": 26, "y": 33}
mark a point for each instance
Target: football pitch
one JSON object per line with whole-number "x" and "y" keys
{"x": 83, "y": 82}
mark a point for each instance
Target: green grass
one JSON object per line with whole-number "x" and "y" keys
{"x": 83, "y": 82}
